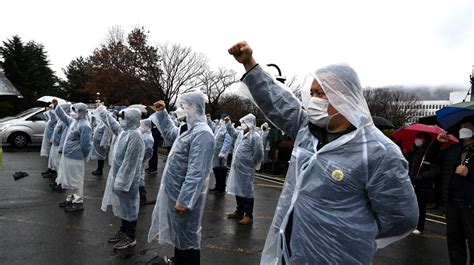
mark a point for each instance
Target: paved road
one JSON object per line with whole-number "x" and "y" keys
{"x": 36, "y": 231}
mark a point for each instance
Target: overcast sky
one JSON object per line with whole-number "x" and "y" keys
{"x": 387, "y": 42}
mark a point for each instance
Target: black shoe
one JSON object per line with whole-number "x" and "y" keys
{"x": 219, "y": 193}
{"x": 125, "y": 243}
{"x": 57, "y": 188}
{"x": 65, "y": 204}
{"x": 97, "y": 173}
{"x": 46, "y": 172}
{"x": 117, "y": 237}
{"x": 50, "y": 175}
{"x": 433, "y": 207}
{"x": 152, "y": 171}
{"x": 74, "y": 207}
{"x": 213, "y": 189}
{"x": 19, "y": 174}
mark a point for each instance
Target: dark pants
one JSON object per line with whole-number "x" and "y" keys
{"x": 220, "y": 173}
{"x": 129, "y": 228}
{"x": 288, "y": 231}
{"x": 460, "y": 226}
{"x": 244, "y": 206}
{"x": 187, "y": 257}
{"x": 153, "y": 163}
{"x": 100, "y": 165}
{"x": 422, "y": 198}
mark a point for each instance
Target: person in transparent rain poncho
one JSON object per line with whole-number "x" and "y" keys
{"x": 101, "y": 138}
{"x": 266, "y": 146}
{"x": 75, "y": 153}
{"x": 179, "y": 207}
{"x": 57, "y": 141}
{"x": 347, "y": 190}
{"x": 46, "y": 143}
{"x": 221, "y": 150}
{"x": 247, "y": 157}
{"x": 121, "y": 190}
{"x": 145, "y": 129}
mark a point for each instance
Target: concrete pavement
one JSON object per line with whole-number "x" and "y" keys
{"x": 36, "y": 231}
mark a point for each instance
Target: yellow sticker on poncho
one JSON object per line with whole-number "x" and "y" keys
{"x": 338, "y": 174}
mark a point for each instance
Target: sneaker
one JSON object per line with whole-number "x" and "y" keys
{"x": 246, "y": 220}
{"x": 65, "y": 204}
{"x": 416, "y": 232}
{"x": 213, "y": 189}
{"x": 117, "y": 237}
{"x": 125, "y": 243}
{"x": 234, "y": 215}
{"x": 152, "y": 171}
{"x": 74, "y": 207}
{"x": 97, "y": 173}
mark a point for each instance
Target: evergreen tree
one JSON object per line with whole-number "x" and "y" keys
{"x": 28, "y": 68}
{"x": 76, "y": 74}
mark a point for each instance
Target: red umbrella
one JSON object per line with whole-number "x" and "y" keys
{"x": 408, "y": 134}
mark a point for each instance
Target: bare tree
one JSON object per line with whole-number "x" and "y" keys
{"x": 125, "y": 72}
{"x": 115, "y": 35}
{"x": 181, "y": 71}
{"x": 395, "y": 105}
{"x": 215, "y": 83}
{"x": 295, "y": 86}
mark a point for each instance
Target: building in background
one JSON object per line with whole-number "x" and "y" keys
{"x": 429, "y": 107}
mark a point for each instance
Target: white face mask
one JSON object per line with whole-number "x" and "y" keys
{"x": 74, "y": 115}
{"x": 318, "y": 111}
{"x": 465, "y": 133}
{"x": 122, "y": 121}
{"x": 180, "y": 113}
{"x": 419, "y": 142}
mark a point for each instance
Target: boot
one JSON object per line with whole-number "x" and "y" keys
{"x": 234, "y": 215}
{"x": 246, "y": 220}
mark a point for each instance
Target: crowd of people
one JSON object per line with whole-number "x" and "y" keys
{"x": 445, "y": 175}
{"x": 347, "y": 184}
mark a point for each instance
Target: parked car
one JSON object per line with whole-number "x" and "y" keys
{"x": 24, "y": 128}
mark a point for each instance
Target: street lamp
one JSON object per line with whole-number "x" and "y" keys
{"x": 279, "y": 77}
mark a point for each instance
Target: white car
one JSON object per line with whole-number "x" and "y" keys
{"x": 25, "y": 128}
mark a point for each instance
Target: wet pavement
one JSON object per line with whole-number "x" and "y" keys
{"x": 36, "y": 231}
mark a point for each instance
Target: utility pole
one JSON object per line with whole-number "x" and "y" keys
{"x": 472, "y": 84}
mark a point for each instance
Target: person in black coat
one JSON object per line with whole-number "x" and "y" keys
{"x": 153, "y": 163}
{"x": 458, "y": 193}
{"x": 423, "y": 169}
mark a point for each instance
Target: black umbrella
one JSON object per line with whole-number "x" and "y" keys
{"x": 382, "y": 123}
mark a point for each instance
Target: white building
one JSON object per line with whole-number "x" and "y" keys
{"x": 429, "y": 107}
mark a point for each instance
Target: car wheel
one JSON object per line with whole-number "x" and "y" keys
{"x": 20, "y": 140}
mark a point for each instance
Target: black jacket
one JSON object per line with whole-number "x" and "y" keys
{"x": 451, "y": 158}
{"x": 424, "y": 167}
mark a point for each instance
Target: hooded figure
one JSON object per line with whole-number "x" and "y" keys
{"x": 145, "y": 129}
{"x": 266, "y": 146}
{"x": 344, "y": 197}
{"x": 48, "y": 132}
{"x": 121, "y": 190}
{"x": 75, "y": 152}
{"x": 247, "y": 156}
{"x": 223, "y": 143}
{"x": 181, "y": 198}
{"x": 100, "y": 144}
{"x": 59, "y": 132}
